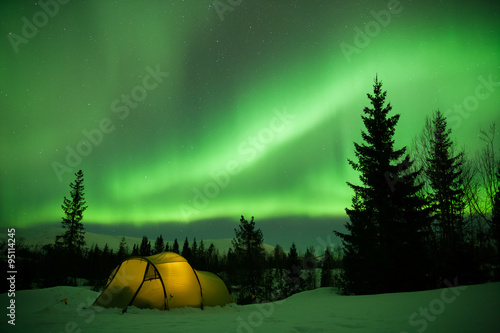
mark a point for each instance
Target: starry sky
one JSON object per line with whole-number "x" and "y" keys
{"x": 184, "y": 111}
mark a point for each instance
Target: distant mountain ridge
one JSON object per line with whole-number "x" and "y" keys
{"x": 303, "y": 231}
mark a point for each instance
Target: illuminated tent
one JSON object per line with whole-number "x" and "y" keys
{"x": 162, "y": 281}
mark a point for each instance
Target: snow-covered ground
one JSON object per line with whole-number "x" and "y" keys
{"x": 459, "y": 309}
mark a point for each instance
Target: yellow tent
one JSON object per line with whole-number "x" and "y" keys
{"x": 162, "y": 281}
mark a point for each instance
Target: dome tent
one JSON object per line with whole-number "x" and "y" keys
{"x": 162, "y": 281}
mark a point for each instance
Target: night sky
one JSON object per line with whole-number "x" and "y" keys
{"x": 181, "y": 111}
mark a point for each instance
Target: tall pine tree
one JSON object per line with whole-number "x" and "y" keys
{"x": 310, "y": 264}
{"x": 294, "y": 282}
{"x": 135, "y": 250}
{"x": 123, "y": 249}
{"x": 159, "y": 245}
{"x": 186, "y": 250}
{"x": 73, "y": 239}
{"x": 384, "y": 246}
{"x": 175, "y": 247}
{"x": 249, "y": 251}
{"x": 145, "y": 247}
{"x": 194, "y": 253}
{"x": 444, "y": 171}
{"x": 326, "y": 269}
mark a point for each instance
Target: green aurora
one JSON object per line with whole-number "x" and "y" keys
{"x": 175, "y": 114}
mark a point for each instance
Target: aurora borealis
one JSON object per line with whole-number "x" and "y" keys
{"x": 178, "y": 111}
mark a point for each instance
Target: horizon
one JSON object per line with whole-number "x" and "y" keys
{"x": 304, "y": 232}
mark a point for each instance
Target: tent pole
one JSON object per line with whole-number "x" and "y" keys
{"x": 139, "y": 288}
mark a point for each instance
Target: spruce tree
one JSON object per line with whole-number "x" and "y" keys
{"x": 159, "y": 245}
{"x": 95, "y": 261}
{"x": 384, "y": 245}
{"x": 73, "y": 239}
{"x": 212, "y": 257}
{"x": 175, "y": 247}
{"x": 279, "y": 258}
{"x": 105, "y": 259}
{"x": 145, "y": 247}
{"x": 250, "y": 256}
{"x": 326, "y": 269}
{"x": 279, "y": 263}
{"x": 310, "y": 264}
{"x": 444, "y": 171}
{"x": 201, "y": 257}
{"x": 123, "y": 249}
{"x": 186, "y": 250}
{"x": 194, "y": 253}
{"x": 135, "y": 250}
{"x": 294, "y": 282}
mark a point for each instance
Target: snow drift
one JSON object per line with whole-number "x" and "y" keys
{"x": 452, "y": 309}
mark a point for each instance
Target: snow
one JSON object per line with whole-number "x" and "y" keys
{"x": 473, "y": 308}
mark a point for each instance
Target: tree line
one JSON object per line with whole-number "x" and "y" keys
{"x": 252, "y": 274}
{"x": 419, "y": 216}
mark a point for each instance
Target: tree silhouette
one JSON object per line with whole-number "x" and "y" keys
{"x": 249, "y": 251}
{"x": 444, "y": 172}
{"x": 123, "y": 249}
{"x": 293, "y": 281}
{"x": 175, "y": 247}
{"x": 159, "y": 245}
{"x": 145, "y": 247}
{"x": 388, "y": 222}
{"x": 201, "y": 256}
{"x": 326, "y": 269}
{"x": 310, "y": 264}
{"x": 212, "y": 257}
{"x": 186, "y": 250}
{"x": 135, "y": 250}
{"x": 73, "y": 239}
{"x": 279, "y": 265}
{"x": 194, "y": 253}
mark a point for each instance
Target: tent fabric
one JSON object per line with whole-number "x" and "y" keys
{"x": 162, "y": 281}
